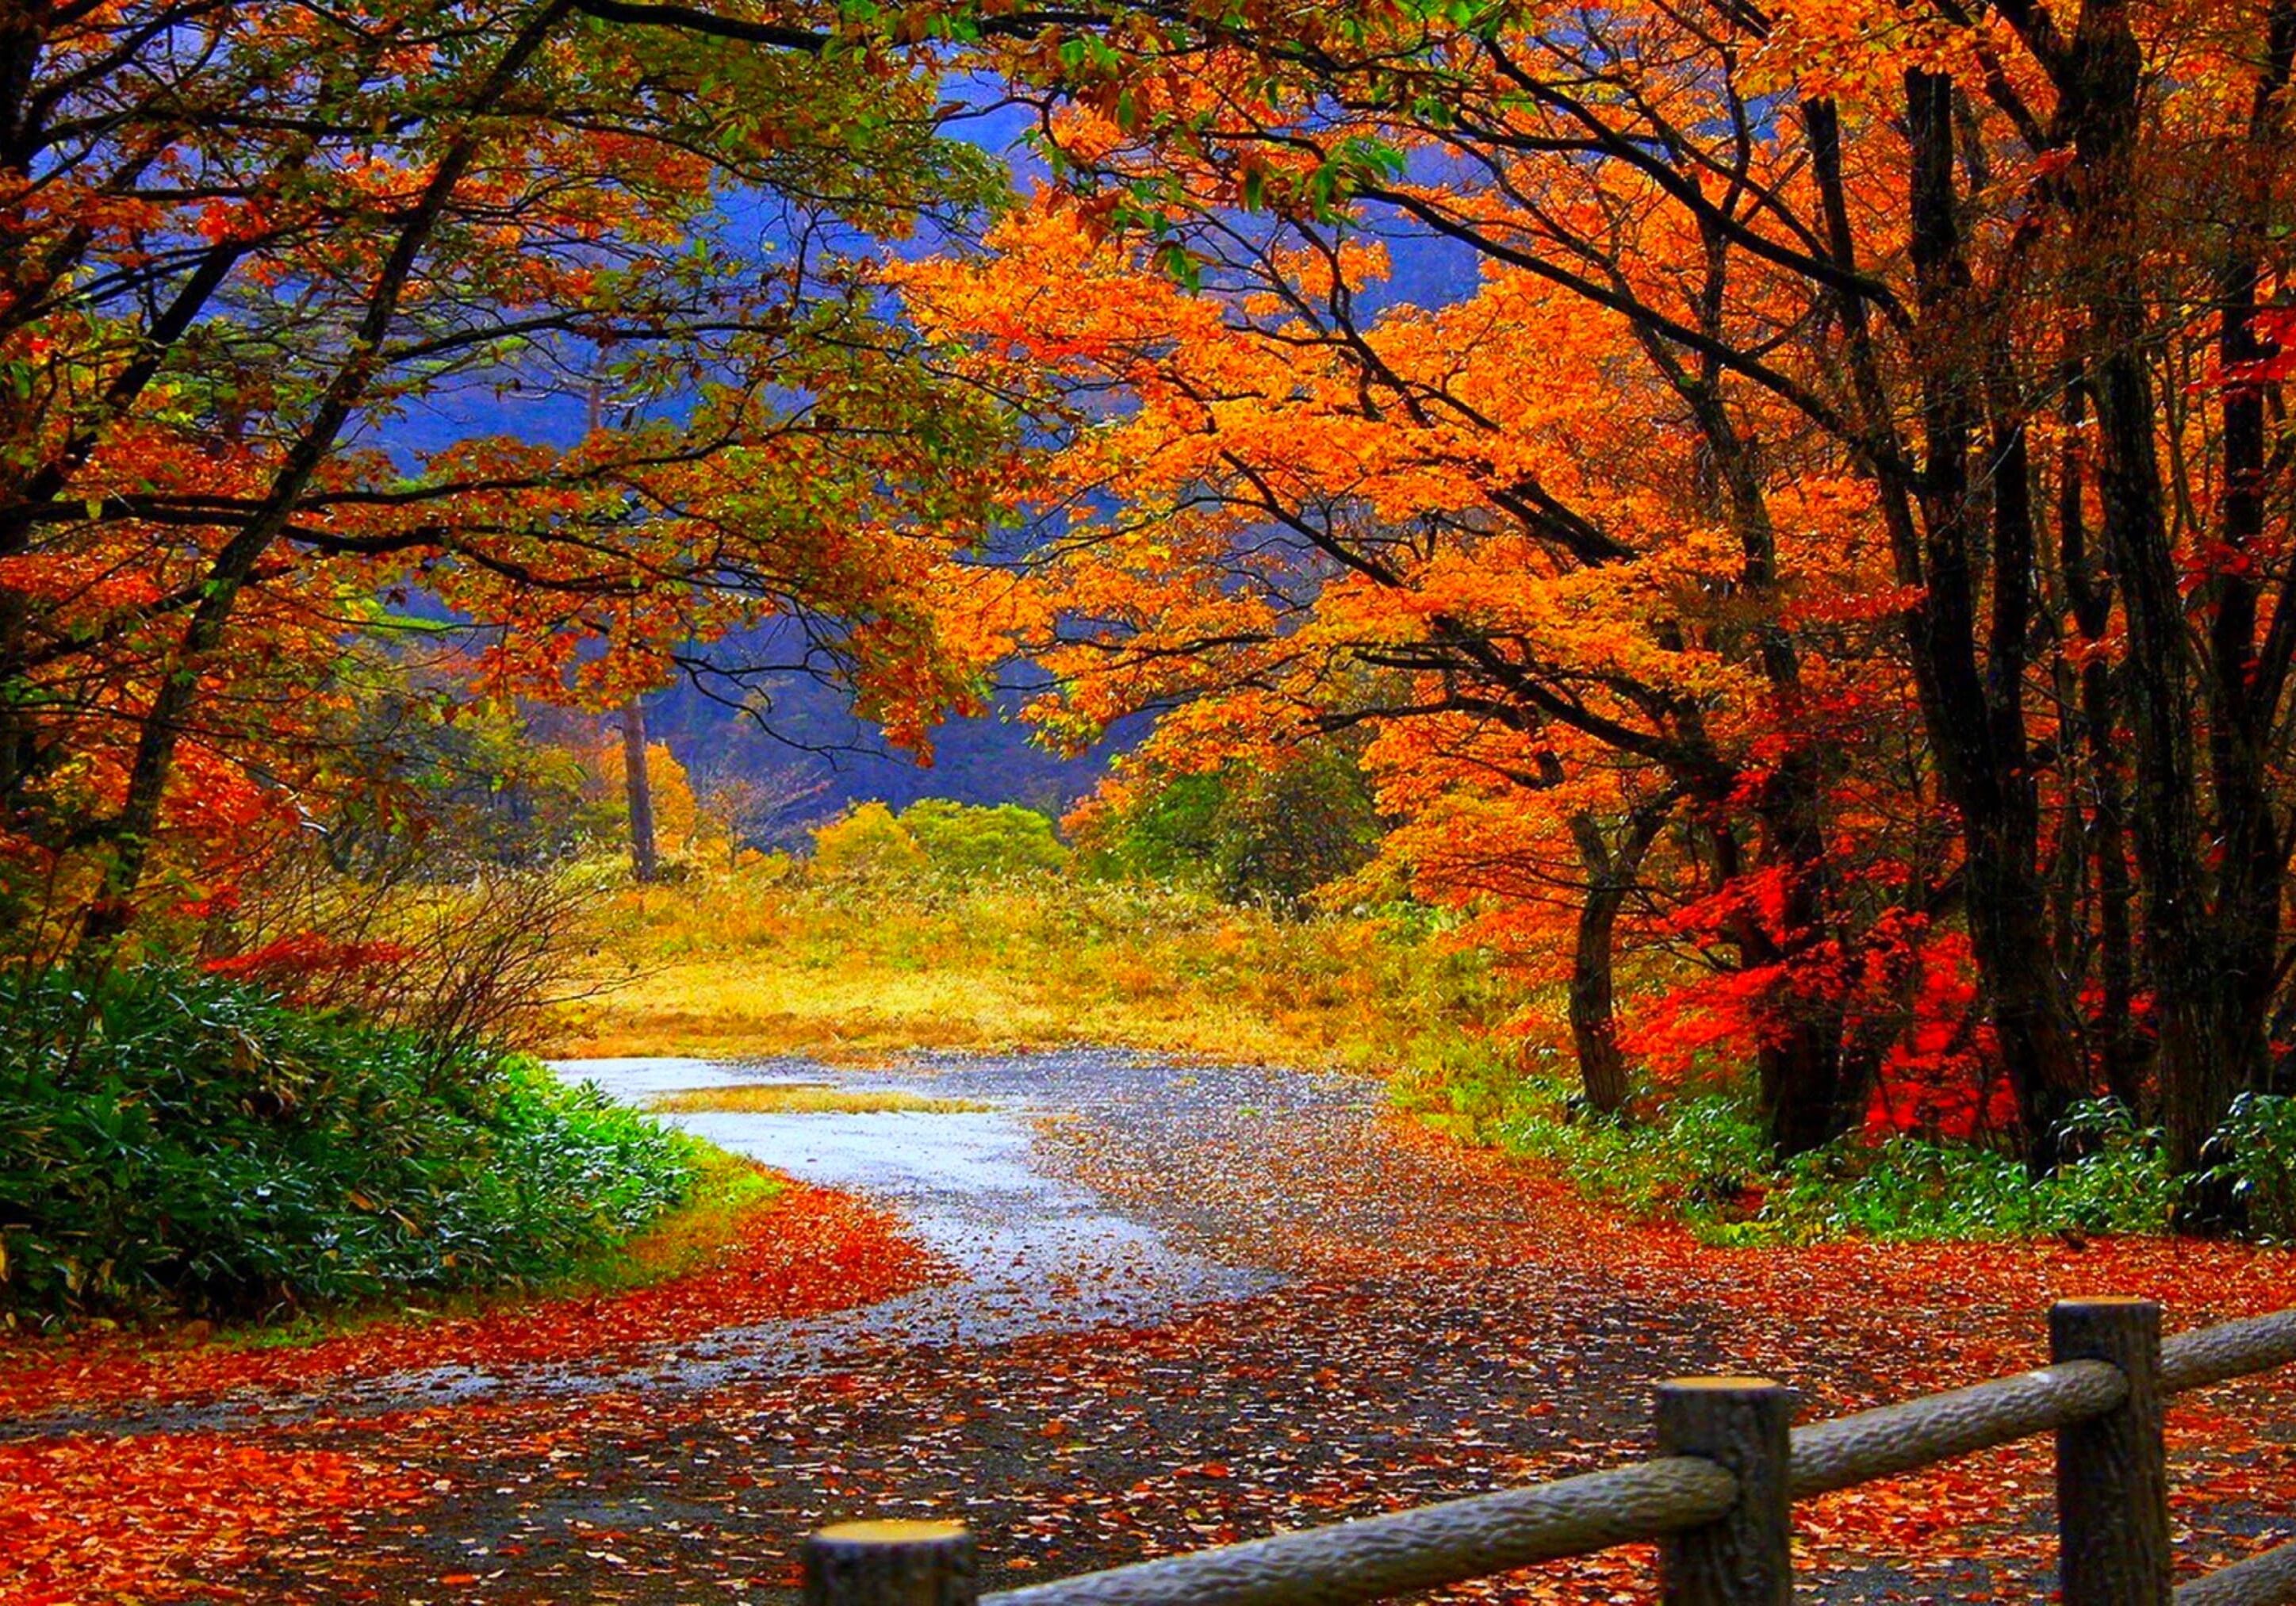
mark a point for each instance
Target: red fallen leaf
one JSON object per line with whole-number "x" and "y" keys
{"x": 460, "y": 1577}
{"x": 94, "y": 1516}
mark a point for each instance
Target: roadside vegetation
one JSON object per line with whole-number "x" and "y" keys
{"x": 772, "y": 962}
{"x": 953, "y": 927}
{"x": 1192, "y": 925}
{"x": 178, "y": 1142}
{"x": 1698, "y": 1156}
{"x": 304, "y": 1101}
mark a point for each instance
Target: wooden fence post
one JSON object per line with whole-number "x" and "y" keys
{"x": 892, "y": 1563}
{"x": 2112, "y": 1471}
{"x": 1745, "y": 1558}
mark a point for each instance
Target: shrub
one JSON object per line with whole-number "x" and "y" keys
{"x": 171, "y": 1140}
{"x": 1703, "y": 1158}
{"x": 968, "y": 840}
{"x": 2260, "y": 1135}
{"x": 1248, "y": 833}
{"x": 462, "y": 960}
{"x": 867, "y": 843}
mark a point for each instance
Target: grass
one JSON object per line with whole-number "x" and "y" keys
{"x": 806, "y": 1098}
{"x": 728, "y": 1190}
{"x": 863, "y": 973}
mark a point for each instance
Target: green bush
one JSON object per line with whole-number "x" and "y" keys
{"x": 1170, "y": 834}
{"x": 1908, "y": 1188}
{"x": 1702, "y": 1159}
{"x": 1271, "y": 835}
{"x": 2261, "y": 1133}
{"x": 172, "y": 1141}
{"x": 867, "y": 843}
{"x": 969, "y": 842}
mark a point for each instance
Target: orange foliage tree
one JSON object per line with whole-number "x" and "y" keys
{"x": 271, "y": 275}
{"x": 1844, "y": 535}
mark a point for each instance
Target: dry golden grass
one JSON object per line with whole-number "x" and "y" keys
{"x": 858, "y": 974}
{"x": 806, "y": 1098}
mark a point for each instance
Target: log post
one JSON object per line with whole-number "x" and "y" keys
{"x": 1745, "y": 1557}
{"x": 891, "y": 1563}
{"x": 2112, "y": 1471}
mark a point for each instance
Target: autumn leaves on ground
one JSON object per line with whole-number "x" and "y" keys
{"x": 168, "y": 1513}
{"x": 1440, "y": 1322}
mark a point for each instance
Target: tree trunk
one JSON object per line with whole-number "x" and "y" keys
{"x": 645, "y": 866}
{"x": 1813, "y": 1090}
{"x": 1971, "y": 705}
{"x": 2211, "y": 884}
{"x": 2243, "y": 677}
{"x": 2088, "y": 589}
{"x": 1610, "y": 877}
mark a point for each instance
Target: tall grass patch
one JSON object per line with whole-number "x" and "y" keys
{"x": 860, "y": 968}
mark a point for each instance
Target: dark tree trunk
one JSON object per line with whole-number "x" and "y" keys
{"x": 2242, "y": 677}
{"x": 1971, "y": 705}
{"x": 637, "y": 785}
{"x": 2119, "y": 1051}
{"x": 1594, "y": 1026}
{"x": 2212, "y": 885}
{"x": 1813, "y": 1086}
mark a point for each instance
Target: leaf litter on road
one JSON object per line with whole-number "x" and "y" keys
{"x": 1447, "y": 1323}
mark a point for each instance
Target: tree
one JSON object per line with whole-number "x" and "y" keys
{"x": 969, "y": 840}
{"x": 867, "y": 843}
{"x": 1860, "y": 403}
{"x": 638, "y": 794}
{"x": 757, "y": 806}
{"x": 254, "y": 255}
{"x": 1276, "y": 833}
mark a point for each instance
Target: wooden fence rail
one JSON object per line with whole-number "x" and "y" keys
{"x": 1717, "y": 1497}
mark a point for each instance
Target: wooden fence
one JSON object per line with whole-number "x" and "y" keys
{"x": 1717, "y": 1497}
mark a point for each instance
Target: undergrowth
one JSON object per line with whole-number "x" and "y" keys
{"x": 719, "y": 1208}
{"x": 177, "y": 1142}
{"x": 1700, "y": 1158}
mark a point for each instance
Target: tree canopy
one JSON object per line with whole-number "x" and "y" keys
{"x": 274, "y": 281}
{"x": 1817, "y": 596}
{"x": 1835, "y": 557}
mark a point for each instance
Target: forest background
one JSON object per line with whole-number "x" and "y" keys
{"x": 1708, "y": 582}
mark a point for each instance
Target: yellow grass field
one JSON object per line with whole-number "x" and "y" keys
{"x": 806, "y": 1098}
{"x": 850, "y": 973}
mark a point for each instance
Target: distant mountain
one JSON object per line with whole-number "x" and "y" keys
{"x": 805, "y": 732}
